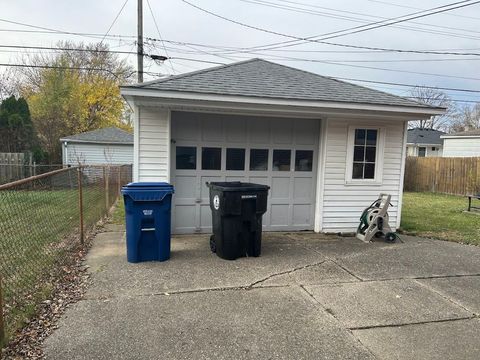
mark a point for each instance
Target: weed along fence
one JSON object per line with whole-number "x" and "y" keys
{"x": 43, "y": 220}
{"x": 458, "y": 176}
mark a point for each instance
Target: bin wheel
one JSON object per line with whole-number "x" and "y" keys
{"x": 390, "y": 237}
{"x": 213, "y": 247}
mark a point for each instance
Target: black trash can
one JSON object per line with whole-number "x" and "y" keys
{"x": 237, "y": 210}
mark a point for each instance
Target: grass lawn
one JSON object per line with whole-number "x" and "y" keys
{"x": 36, "y": 230}
{"x": 441, "y": 217}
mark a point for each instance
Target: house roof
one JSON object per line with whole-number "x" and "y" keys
{"x": 265, "y": 79}
{"x": 110, "y": 135}
{"x": 475, "y": 132}
{"x": 424, "y": 136}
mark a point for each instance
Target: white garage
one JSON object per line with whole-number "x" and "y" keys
{"x": 110, "y": 145}
{"x": 326, "y": 148}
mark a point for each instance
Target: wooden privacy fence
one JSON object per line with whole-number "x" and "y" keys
{"x": 458, "y": 176}
{"x": 11, "y": 167}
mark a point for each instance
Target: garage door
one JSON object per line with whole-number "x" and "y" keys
{"x": 278, "y": 152}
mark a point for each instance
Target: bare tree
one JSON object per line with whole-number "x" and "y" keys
{"x": 433, "y": 97}
{"x": 467, "y": 118}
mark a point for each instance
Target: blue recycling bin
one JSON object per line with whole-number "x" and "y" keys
{"x": 147, "y": 214}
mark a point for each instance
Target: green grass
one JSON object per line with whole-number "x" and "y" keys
{"x": 441, "y": 217}
{"x": 37, "y": 231}
{"x": 118, "y": 216}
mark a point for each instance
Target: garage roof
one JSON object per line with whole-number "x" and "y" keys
{"x": 424, "y": 136}
{"x": 110, "y": 135}
{"x": 265, "y": 79}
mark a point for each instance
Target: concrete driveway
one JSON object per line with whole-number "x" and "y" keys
{"x": 308, "y": 296}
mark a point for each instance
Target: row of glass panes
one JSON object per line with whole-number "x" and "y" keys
{"x": 186, "y": 159}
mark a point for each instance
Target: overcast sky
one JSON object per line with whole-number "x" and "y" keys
{"x": 457, "y": 30}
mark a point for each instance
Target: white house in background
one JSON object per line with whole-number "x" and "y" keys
{"x": 103, "y": 146}
{"x": 462, "y": 144}
{"x": 326, "y": 148}
{"x": 424, "y": 142}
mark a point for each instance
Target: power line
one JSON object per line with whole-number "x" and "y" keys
{"x": 407, "y": 85}
{"x": 159, "y": 35}
{"x": 415, "y": 8}
{"x": 67, "y": 49}
{"x": 61, "y": 68}
{"x": 360, "y": 20}
{"x": 114, "y": 20}
{"x": 225, "y": 48}
{"x": 312, "y": 38}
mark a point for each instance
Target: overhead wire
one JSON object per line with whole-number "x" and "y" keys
{"x": 114, "y": 20}
{"x": 291, "y": 8}
{"x": 313, "y": 39}
{"x": 159, "y": 34}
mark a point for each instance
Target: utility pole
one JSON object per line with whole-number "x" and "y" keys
{"x": 140, "y": 40}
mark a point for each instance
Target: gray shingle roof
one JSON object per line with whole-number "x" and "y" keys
{"x": 110, "y": 135}
{"x": 475, "y": 132}
{"x": 424, "y": 136}
{"x": 261, "y": 78}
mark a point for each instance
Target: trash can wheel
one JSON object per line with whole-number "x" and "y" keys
{"x": 213, "y": 247}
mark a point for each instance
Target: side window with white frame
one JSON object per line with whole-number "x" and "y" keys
{"x": 364, "y": 155}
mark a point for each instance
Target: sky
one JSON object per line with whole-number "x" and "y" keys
{"x": 195, "y": 39}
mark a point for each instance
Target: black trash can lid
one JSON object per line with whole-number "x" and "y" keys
{"x": 237, "y": 186}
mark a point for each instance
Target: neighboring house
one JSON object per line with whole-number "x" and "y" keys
{"x": 103, "y": 146}
{"x": 424, "y": 142}
{"x": 326, "y": 148}
{"x": 462, "y": 144}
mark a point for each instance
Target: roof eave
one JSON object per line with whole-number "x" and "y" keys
{"x": 453, "y": 136}
{"x": 95, "y": 142}
{"x": 421, "y": 112}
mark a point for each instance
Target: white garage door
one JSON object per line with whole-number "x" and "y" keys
{"x": 278, "y": 152}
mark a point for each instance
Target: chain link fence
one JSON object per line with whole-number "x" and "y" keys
{"x": 42, "y": 221}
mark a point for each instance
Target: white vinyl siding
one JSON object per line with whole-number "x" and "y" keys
{"x": 412, "y": 150}
{"x": 461, "y": 147}
{"x": 153, "y": 135}
{"x": 91, "y": 154}
{"x": 344, "y": 202}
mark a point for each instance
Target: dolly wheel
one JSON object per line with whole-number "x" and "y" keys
{"x": 390, "y": 237}
{"x": 213, "y": 247}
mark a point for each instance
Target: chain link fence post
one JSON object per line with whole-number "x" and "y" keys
{"x": 80, "y": 202}
{"x": 2, "y": 325}
{"x": 105, "y": 179}
{"x": 119, "y": 180}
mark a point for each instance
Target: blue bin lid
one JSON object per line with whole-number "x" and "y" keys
{"x": 149, "y": 185}
{"x": 147, "y": 191}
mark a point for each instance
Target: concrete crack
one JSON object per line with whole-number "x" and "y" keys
{"x": 284, "y": 273}
{"x": 413, "y": 323}
{"x": 345, "y": 269}
{"x": 329, "y": 312}
{"x": 449, "y": 299}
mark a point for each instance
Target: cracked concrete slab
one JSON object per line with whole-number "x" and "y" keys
{"x": 326, "y": 272}
{"x": 384, "y": 303}
{"x": 450, "y": 340}
{"x": 268, "y": 323}
{"x": 410, "y": 260}
{"x": 462, "y": 290}
{"x": 199, "y": 306}
{"x": 192, "y": 266}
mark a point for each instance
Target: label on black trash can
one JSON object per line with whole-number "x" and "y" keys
{"x": 216, "y": 202}
{"x": 249, "y": 197}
